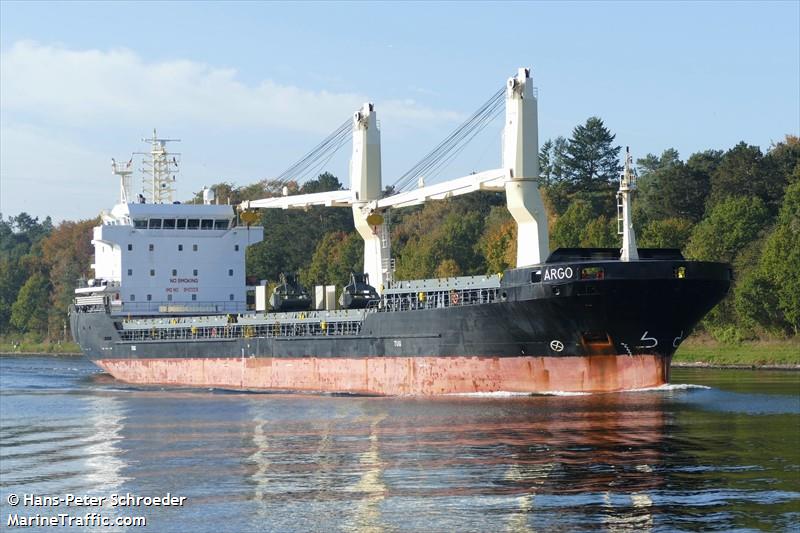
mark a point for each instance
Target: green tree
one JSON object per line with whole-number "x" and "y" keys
{"x": 291, "y": 237}
{"x": 670, "y": 188}
{"x": 67, "y": 254}
{"x": 571, "y": 226}
{"x": 744, "y": 171}
{"x": 592, "y": 160}
{"x": 336, "y": 256}
{"x": 601, "y": 232}
{"x": 448, "y": 268}
{"x": 592, "y": 165}
{"x": 29, "y": 312}
{"x": 499, "y": 241}
{"x": 455, "y": 238}
{"x": 651, "y": 163}
{"x": 665, "y": 233}
{"x": 756, "y": 302}
{"x": 780, "y": 261}
{"x": 785, "y": 155}
{"x": 729, "y": 227}
{"x": 552, "y": 156}
{"x": 11, "y": 280}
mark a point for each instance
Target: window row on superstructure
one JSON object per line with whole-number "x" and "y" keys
{"x": 149, "y": 297}
{"x": 175, "y": 272}
{"x": 152, "y": 247}
{"x": 182, "y": 223}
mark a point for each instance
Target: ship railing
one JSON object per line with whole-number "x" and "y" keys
{"x": 90, "y": 304}
{"x": 185, "y": 308}
{"x": 239, "y": 331}
{"x": 437, "y": 299}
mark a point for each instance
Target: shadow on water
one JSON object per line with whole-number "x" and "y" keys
{"x": 724, "y": 457}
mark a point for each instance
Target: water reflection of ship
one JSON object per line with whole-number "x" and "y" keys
{"x": 326, "y": 458}
{"x": 608, "y": 449}
{"x": 531, "y": 455}
{"x": 104, "y": 462}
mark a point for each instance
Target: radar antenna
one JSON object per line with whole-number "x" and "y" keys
{"x": 124, "y": 171}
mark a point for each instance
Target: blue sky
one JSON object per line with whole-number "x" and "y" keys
{"x": 249, "y": 87}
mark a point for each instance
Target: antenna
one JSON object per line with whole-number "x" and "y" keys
{"x": 159, "y": 170}
{"x": 124, "y": 171}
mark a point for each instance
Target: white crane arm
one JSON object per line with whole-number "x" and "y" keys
{"x": 488, "y": 180}
{"x": 302, "y": 201}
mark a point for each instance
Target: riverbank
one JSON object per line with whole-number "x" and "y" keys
{"x": 761, "y": 354}
{"x": 27, "y": 347}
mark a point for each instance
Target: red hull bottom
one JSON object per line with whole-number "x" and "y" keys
{"x": 401, "y": 375}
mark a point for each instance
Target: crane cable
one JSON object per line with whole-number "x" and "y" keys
{"x": 322, "y": 152}
{"x": 453, "y": 144}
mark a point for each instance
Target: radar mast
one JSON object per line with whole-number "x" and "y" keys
{"x": 158, "y": 182}
{"x": 124, "y": 171}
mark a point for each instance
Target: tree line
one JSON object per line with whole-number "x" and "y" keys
{"x": 740, "y": 206}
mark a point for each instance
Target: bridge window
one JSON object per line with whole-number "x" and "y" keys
{"x": 155, "y": 223}
{"x": 220, "y": 224}
{"x": 181, "y": 223}
{"x": 140, "y": 223}
{"x": 169, "y": 223}
{"x": 193, "y": 223}
{"x": 592, "y": 273}
{"x": 206, "y": 224}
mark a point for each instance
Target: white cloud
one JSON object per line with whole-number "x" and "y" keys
{"x": 65, "y": 112}
{"x": 101, "y": 88}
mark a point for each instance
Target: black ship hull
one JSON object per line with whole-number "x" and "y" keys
{"x": 560, "y": 326}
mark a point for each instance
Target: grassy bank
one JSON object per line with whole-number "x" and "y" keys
{"x": 749, "y": 353}
{"x": 34, "y": 346}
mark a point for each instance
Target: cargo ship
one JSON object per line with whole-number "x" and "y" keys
{"x": 169, "y": 301}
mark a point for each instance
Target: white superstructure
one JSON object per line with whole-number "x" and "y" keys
{"x": 153, "y": 258}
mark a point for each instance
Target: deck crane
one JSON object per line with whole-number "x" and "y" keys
{"x": 517, "y": 177}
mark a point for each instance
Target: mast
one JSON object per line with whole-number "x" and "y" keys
{"x": 365, "y": 182}
{"x": 627, "y": 187}
{"x": 159, "y": 170}
{"x": 124, "y": 171}
{"x": 521, "y": 156}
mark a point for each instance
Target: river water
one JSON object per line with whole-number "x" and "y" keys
{"x": 717, "y": 450}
